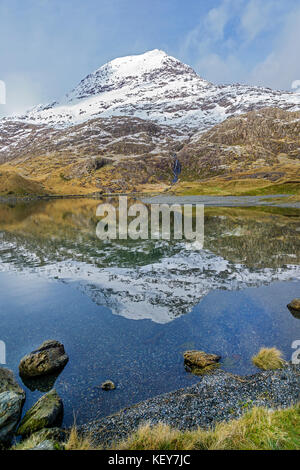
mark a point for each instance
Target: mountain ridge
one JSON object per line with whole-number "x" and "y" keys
{"x": 158, "y": 87}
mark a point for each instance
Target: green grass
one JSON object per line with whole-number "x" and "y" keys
{"x": 257, "y": 429}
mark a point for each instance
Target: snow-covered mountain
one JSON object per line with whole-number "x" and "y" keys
{"x": 158, "y": 87}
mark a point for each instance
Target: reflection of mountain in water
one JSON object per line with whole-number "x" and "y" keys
{"x": 151, "y": 279}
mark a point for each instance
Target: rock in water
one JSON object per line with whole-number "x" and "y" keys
{"x": 294, "y": 308}
{"x": 46, "y": 413}
{"x": 200, "y": 359}
{"x": 12, "y": 398}
{"x": 108, "y": 385}
{"x": 49, "y": 358}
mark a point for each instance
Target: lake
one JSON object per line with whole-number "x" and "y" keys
{"x": 127, "y": 310}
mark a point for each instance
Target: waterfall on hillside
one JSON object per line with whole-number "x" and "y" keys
{"x": 176, "y": 168}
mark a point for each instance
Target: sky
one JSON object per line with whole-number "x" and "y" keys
{"x": 48, "y": 46}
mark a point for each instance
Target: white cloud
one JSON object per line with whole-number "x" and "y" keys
{"x": 224, "y": 46}
{"x": 210, "y": 29}
{"x": 259, "y": 16}
{"x": 21, "y": 94}
{"x": 282, "y": 66}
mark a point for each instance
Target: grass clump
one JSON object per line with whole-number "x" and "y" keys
{"x": 78, "y": 442}
{"x": 268, "y": 359}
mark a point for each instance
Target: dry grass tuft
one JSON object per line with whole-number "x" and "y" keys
{"x": 268, "y": 359}
{"x": 77, "y": 442}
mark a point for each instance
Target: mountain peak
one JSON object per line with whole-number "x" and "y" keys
{"x": 124, "y": 71}
{"x": 159, "y": 87}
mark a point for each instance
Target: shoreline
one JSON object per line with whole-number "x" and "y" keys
{"x": 218, "y": 397}
{"x": 271, "y": 200}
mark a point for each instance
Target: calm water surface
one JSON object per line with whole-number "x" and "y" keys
{"x": 127, "y": 311}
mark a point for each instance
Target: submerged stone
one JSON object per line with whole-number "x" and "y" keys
{"x": 294, "y": 308}
{"x": 200, "y": 359}
{"x": 108, "y": 385}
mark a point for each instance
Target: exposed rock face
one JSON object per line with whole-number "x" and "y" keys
{"x": 46, "y": 413}
{"x": 12, "y": 398}
{"x": 244, "y": 144}
{"x": 49, "y": 358}
{"x": 200, "y": 359}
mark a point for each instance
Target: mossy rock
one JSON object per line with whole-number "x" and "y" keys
{"x": 49, "y": 358}
{"x": 55, "y": 436}
{"x": 294, "y": 308}
{"x": 46, "y": 413}
{"x": 200, "y": 359}
{"x": 9, "y": 383}
{"x": 200, "y": 371}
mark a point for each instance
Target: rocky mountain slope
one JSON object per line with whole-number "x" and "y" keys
{"x": 119, "y": 128}
{"x": 246, "y": 143}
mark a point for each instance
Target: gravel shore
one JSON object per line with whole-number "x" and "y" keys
{"x": 218, "y": 397}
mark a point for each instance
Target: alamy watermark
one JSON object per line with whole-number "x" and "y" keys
{"x": 154, "y": 221}
{"x": 296, "y": 354}
{"x": 2, "y": 92}
{"x": 2, "y": 352}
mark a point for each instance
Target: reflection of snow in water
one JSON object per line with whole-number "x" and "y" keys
{"x": 164, "y": 290}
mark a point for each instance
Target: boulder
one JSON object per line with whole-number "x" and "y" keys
{"x": 45, "y": 445}
{"x": 12, "y": 398}
{"x": 108, "y": 385}
{"x": 54, "y": 435}
{"x": 10, "y": 412}
{"x": 46, "y": 413}
{"x": 8, "y": 382}
{"x": 50, "y": 434}
{"x": 49, "y": 358}
{"x": 294, "y": 307}
{"x": 200, "y": 359}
